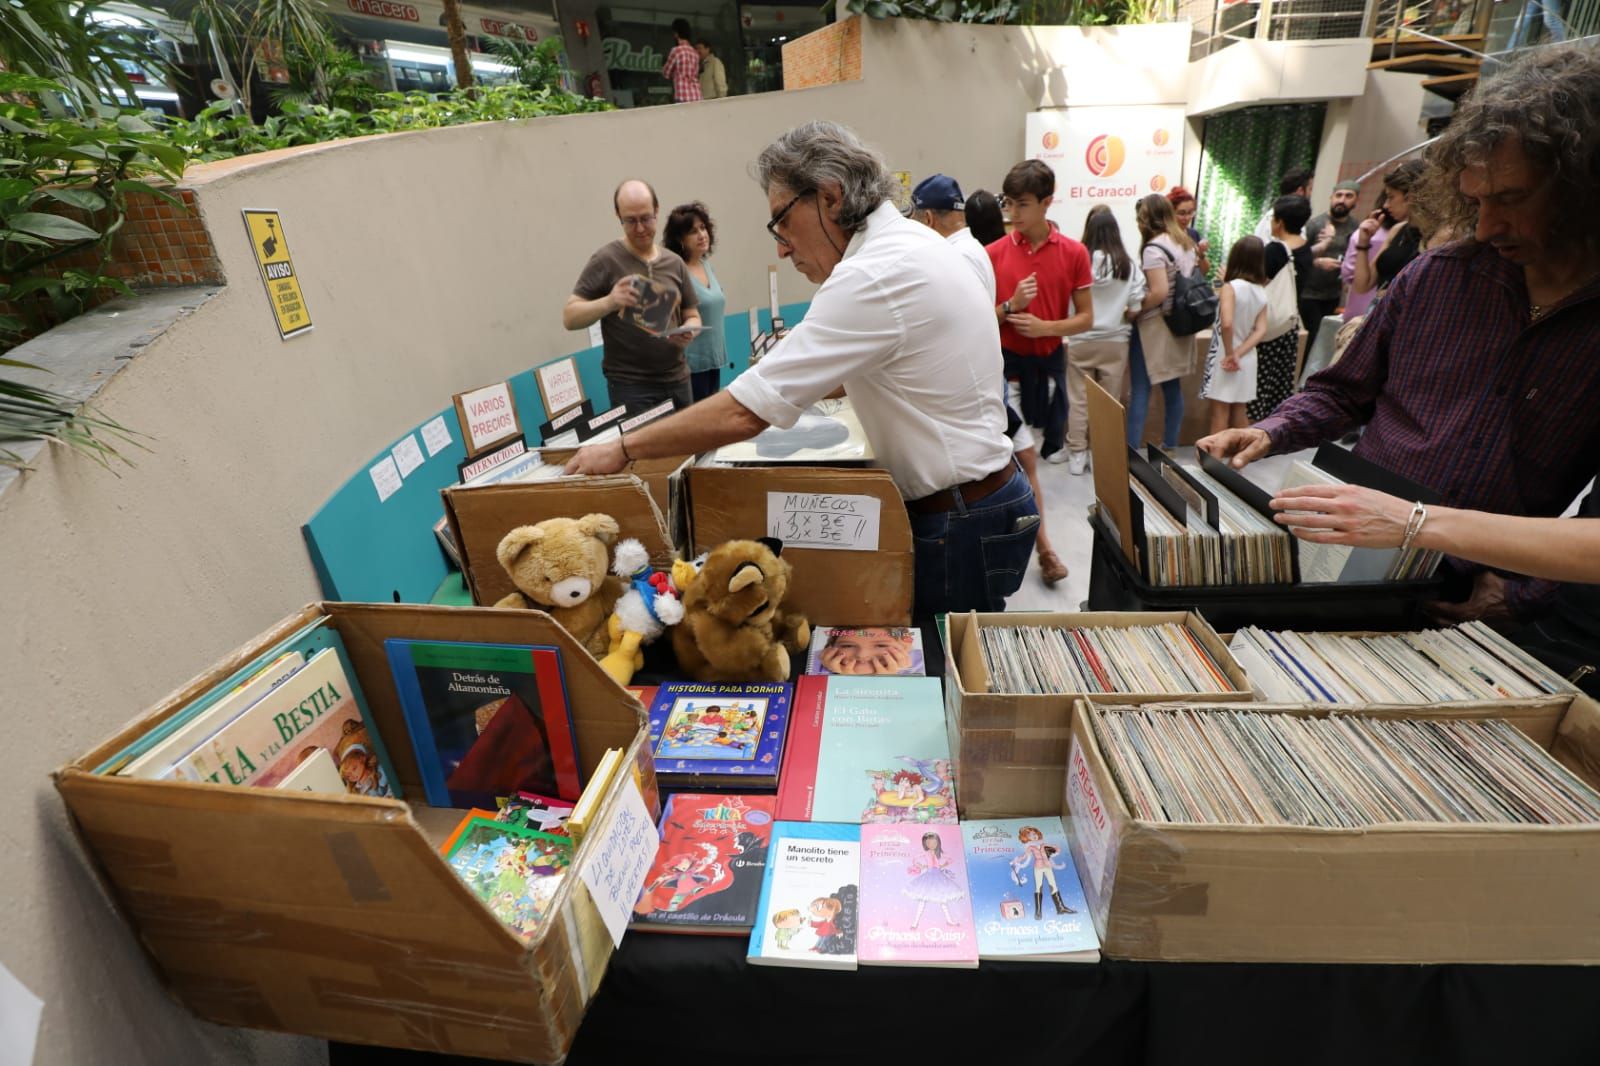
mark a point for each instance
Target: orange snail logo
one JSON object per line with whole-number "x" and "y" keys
{"x": 1158, "y": 183}
{"x": 1105, "y": 155}
{"x": 1161, "y": 138}
{"x": 1052, "y": 139}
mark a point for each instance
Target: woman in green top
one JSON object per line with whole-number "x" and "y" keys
{"x": 692, "y": 235}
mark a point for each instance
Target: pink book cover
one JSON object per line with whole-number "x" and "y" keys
{"x": 916, "y": 905}
{"x": 797, "y": 780}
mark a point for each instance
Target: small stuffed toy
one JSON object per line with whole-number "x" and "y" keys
{"x": 734, "y": 629}
{"x": 648, "y": 605}
{"x": 559, "y": 566}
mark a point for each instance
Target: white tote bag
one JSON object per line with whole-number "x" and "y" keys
{"x": 1283, "y": 301}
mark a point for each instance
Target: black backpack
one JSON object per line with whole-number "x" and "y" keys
{"x": 1194, "y": 301}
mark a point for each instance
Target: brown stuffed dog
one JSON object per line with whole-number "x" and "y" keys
{"x": 733, "y": 628}
{"x": 562, "y": 565}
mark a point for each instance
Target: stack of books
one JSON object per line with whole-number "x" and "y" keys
{"x": 1468, "y": 662}
{"x": 1251, "y": 768}
{"x": 1036, "y": 660}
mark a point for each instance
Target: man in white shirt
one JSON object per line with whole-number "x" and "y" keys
{"x": 899, "y": 325}
{"x": 937, "y": 203}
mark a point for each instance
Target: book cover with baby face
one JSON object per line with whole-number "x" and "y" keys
{"x": 916, "y": 908}
{"x": 880, "y": 651}
{"x": 1026, "y": 899}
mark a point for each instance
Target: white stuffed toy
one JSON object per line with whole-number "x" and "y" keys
{"x": 649, "y": 604}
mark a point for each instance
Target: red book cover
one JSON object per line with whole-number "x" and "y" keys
{"x": 708, "y": 869}
{"x": 797, "y": 780}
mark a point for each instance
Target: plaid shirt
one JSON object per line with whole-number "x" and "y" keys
{"x": 683, "y": 67}
{"x": 1459, "y": 392}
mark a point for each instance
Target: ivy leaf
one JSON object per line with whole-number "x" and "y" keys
{"x": 83, "y": 199}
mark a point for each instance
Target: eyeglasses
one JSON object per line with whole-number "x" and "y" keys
{"x": 777, "y": 219}
{"x": 637, "y": 222}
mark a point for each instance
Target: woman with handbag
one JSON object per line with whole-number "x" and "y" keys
{"x": 1155, "y": 355}
{"x": 1288, "y": 257}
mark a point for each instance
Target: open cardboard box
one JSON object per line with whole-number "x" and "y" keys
{"x": 335, "y": 916}
{"x": 1405, "y": 893}
{"x": 1010, "y": 749}
{"x": 660, "y": 476}
{"x": 830, "y": 587}
{"x": 481, "y": 517}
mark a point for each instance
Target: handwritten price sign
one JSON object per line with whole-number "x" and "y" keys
{"x": 620, "y": 859}
{"x": 823, "y": 520}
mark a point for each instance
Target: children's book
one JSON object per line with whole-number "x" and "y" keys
{"x": 916, "y": 907}
{"x": 881, "y": 651}
{"x": 808, "y": 909}
{"x": 1026, "y": 901}
{"x": 516, "y": 872}
{"x": 529, "y": 810}
{"x": 707, "y": 873}
{"x": 158, "y": 761}
{"x": 317, "y": 772}
{"x": 319, "y": 706}
{"x": 797, "y": 781}
{"x": 486, "y": 720}
{"x": 594, "y": 791}
{"x": 884, "y": 755}
{"x": 719, "y": 736}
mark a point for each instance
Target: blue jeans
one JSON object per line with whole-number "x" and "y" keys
{"x": 638, "y": 398}
{"x": 705, "y": 383}
{"x": 1554, "y": 26}
{"x": 972, "y": 557}
{"x": 1139, "y": 399}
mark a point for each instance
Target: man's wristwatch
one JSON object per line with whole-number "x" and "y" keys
{"x": 1005, "y": 308}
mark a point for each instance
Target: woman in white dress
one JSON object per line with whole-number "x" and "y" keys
{"x": 1230, "y": 379}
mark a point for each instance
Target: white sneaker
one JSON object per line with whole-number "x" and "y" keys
{"x": 1057, "y": 456}
{"x": 1078, "y": 463}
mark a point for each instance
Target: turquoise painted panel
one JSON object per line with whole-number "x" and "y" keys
{"x": 368, "y": 550}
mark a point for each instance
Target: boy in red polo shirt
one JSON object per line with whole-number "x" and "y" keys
{"x": 1043, "y": 279}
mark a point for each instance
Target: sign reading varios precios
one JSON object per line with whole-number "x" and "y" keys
{"x": 271, "y": 250}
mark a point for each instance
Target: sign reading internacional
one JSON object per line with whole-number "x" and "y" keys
{"x": 1107, "y": 155}
{"x": 271, "y": 250}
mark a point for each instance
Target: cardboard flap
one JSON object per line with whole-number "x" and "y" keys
{"x": 482, "y": 516}
{"x": 1108, "y": 435}
{"x": 861, "y": 588}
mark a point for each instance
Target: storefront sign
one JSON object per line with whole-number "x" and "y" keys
{"x": 621, "y": 56}
{"x": 1107, "y": 155}
{"x": 502, "y": 28}
{"x": 385, "y": 9}
{"x": 271, "y": 250}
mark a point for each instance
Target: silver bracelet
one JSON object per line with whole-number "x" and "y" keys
{"x": 1419, "y": 515}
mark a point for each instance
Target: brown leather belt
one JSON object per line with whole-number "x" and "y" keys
{"x": 973, "y": 491}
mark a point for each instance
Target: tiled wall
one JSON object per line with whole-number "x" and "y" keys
{"x": 161, "y": 243}
{"x": 825, "y": 57}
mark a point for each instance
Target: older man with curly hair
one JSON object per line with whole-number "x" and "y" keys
{"x": 1478, "y": 374}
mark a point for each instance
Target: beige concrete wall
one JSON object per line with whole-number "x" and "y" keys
{"x": 430, "y": 262}
{"x": 1271, "y": 72}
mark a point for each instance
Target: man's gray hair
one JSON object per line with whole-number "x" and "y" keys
{"x": 820, "y": 153}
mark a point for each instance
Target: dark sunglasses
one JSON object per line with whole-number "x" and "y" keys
{"x": 773, "y": 223}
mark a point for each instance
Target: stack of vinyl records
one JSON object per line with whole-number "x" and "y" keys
{"x": 1233, "y": 767}
{"x": 1039, "y": 660}
{"x": 1468, "y": 662}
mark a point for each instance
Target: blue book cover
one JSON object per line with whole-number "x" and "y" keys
{"x": 704, "y": 733}
{"x": 1026, "y": 900}
{"x": 809, "y": 897}
{"x": 884, "y": 756}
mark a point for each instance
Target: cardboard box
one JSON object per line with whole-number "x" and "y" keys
{"x": 657, "y": 474}
{"x": 1407, "y": 893}
{"x": 481, "y": 517}
{"x": 334, "y": 916}
{"x": 830, "y": 587}
{"x": 1010, "y": 749}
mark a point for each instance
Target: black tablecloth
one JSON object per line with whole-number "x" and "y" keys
{"x": 686, "y": 999}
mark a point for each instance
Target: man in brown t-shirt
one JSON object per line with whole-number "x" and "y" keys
{"x": 639, "y": 292}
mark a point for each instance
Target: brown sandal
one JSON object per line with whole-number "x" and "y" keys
{"x": 1051, "y": 568}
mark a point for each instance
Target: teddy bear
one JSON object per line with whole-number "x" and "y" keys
{"x": 560, "y": 566}
{"x": 648, "y": 605}
{"x": 734, "y": 627}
